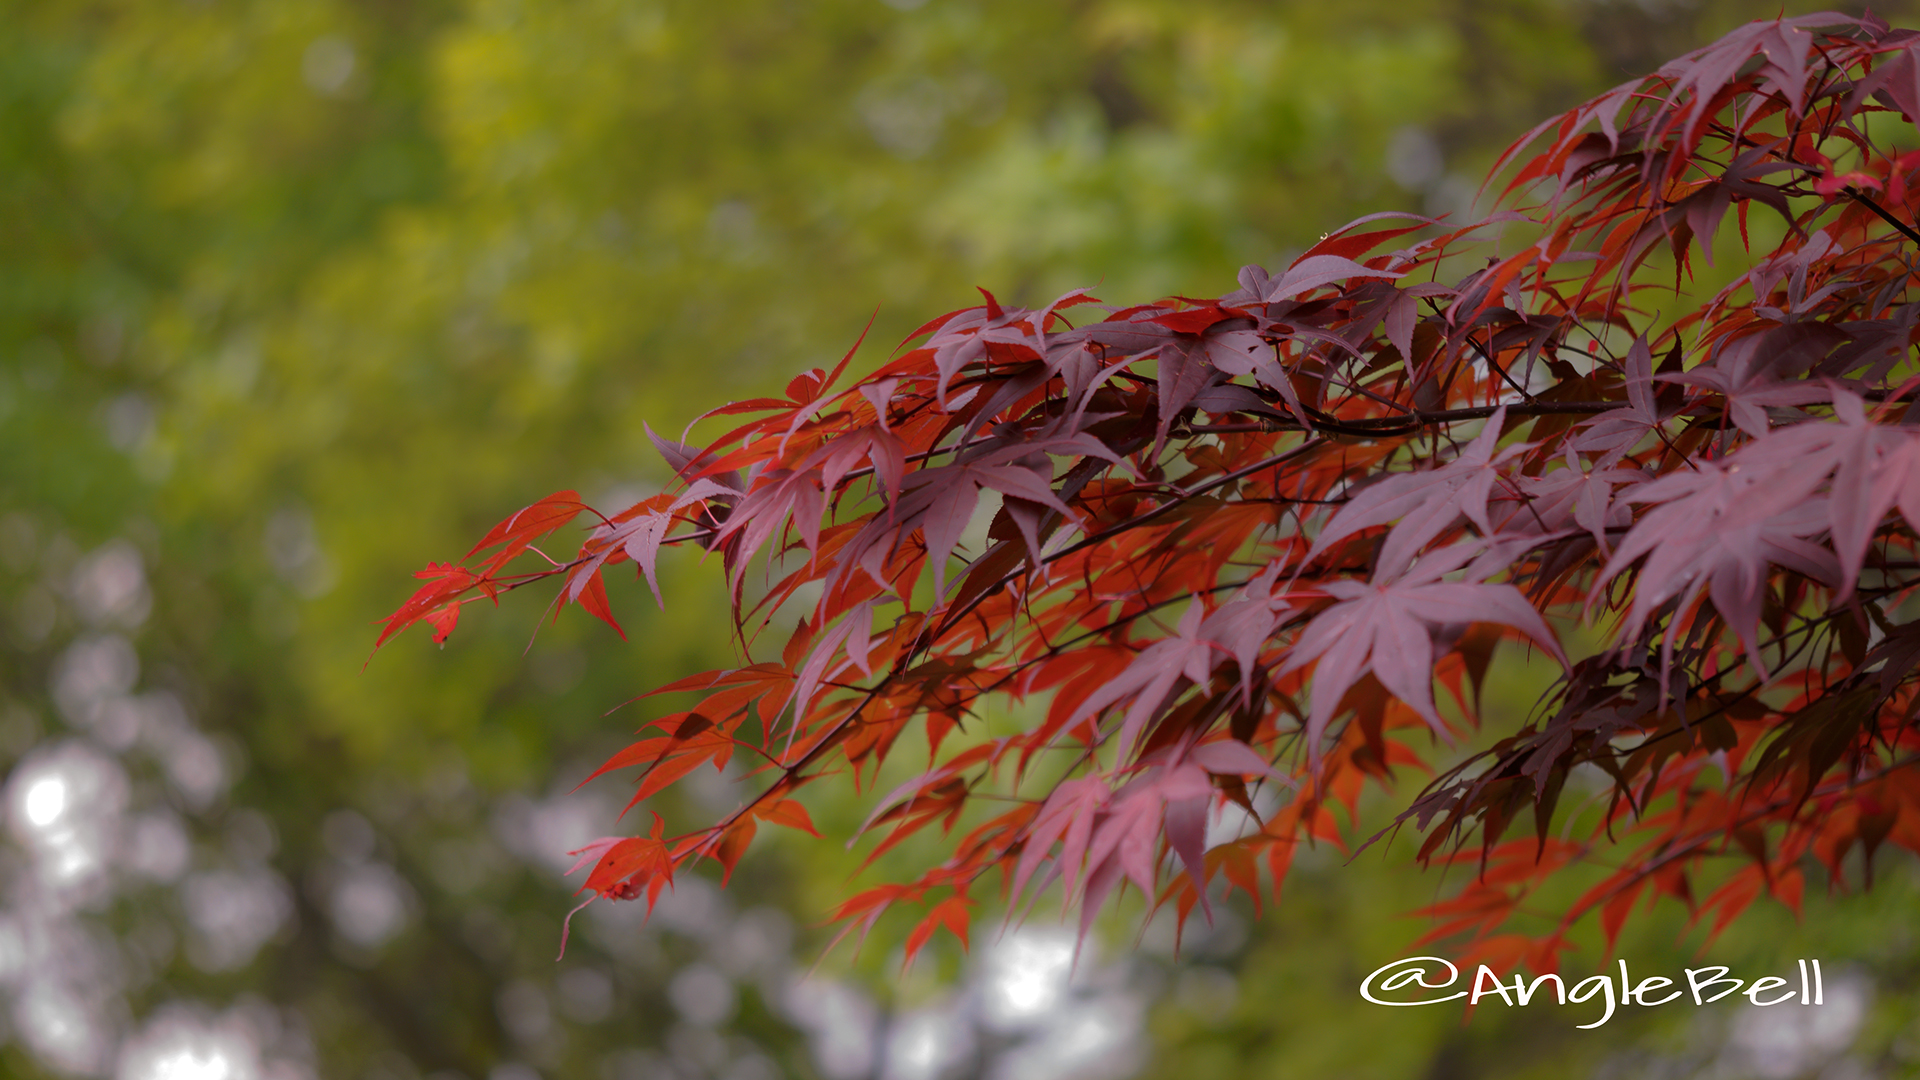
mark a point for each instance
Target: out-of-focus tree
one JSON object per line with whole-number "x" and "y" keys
{"x": 270, "y": 264}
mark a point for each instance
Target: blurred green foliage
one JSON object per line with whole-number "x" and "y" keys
{"x": 303, "y": 293}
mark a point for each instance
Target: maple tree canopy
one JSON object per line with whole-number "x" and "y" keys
{"x": 1239, "y": 541}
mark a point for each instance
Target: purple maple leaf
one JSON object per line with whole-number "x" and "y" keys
{"x": 1425, "y": 502}
{"x": 1385, "y": 626}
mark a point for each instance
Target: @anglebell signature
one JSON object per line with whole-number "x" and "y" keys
{"x": 1705, "y": 985}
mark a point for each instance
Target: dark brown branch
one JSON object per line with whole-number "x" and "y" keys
{"x": 1413, "y": 421}
{"x": 952, "y": 618}
{"x": 1863, "y": 199}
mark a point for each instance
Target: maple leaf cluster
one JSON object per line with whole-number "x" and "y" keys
{"x": 1233, "y": 546}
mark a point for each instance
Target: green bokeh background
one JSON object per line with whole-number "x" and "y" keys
{"x": 300, "y": 294}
